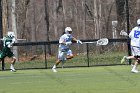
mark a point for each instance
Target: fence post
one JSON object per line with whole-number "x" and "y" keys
{"x": 87, "y": 45}
{"x": 45, "y": 56}
{"x": 127, "y": 17}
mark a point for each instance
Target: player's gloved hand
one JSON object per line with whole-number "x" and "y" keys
{"x": 68, "y": 43}
{"x": 79, "y": 42}
{"x": 9, "y": 45}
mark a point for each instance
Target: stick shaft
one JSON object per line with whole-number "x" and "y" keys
{"x": 16, "y": 39}
{"x": 90, "y": 42}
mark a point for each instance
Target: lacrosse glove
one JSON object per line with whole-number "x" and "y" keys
{"x": 79, "y": 42}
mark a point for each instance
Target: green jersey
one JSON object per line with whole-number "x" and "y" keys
{"x": 7, "y": 44}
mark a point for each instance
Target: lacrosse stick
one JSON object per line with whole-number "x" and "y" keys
{"x": 102, "y": 41}
{"x": 123, "y": 33}
{"x": 16, "y": 39}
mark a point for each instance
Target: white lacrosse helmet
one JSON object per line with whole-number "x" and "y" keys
{"x": 11, "y": 34}
{"x": 67, "y": 30}
{"x": 138, "y": 21}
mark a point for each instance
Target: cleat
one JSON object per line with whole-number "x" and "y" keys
{"x": 134, "y": 71}
{"x": 54, "y": 70}
{"x": 13, "y": 70}
{"x": 123, "y": 59}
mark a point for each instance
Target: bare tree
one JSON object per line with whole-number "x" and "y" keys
{"x": 47, "y": 25}
{"x": 14, "y": 27}
{"x": 120, "y": 6}
{"x": 97, "y": 19}
{"x": 4, "y": 15}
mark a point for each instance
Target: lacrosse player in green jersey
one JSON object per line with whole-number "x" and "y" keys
{"x": 8, "y": 42}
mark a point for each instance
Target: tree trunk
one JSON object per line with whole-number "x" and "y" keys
{"x": 14, "y": 28}
{"x": 84, "y": 19}
{"x": 34, "y": 22}
{"x": 120, "y": 15}
{"x": 1, "y": 26}
{"x": 4, "y": 16}
{"x": 97, "y": 30}
{"x": 47, "y": 25}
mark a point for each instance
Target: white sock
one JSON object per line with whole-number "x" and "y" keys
{"x": 12, "y": 66}
{"x": 54, "y": 66}
{"x": 134, "y": 67}
{"x": 65, "y": 59}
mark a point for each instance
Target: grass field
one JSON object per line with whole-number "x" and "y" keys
{"x": 101, "y": 79}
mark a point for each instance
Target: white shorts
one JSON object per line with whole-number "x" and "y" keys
{"x": 135, "y": 51}
{"x": 63, "y": 54}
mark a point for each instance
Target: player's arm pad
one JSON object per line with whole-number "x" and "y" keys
{"x": 68, "y": 43}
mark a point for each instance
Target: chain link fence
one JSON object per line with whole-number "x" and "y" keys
{"x": 35, "y": 55}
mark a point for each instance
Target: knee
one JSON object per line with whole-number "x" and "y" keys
{"x": 138, "y": 61}
{"x": 14, "y": 59}
{"x": 138, "y": 58}
{"x": 70, "y": 57}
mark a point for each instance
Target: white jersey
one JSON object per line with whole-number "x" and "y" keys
{"x": 63, "y": 47}
{"x": 65, "y": 38}
{"x": 135, "y": 36}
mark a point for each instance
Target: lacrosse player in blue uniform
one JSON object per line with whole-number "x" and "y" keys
{"x": 135, "y": 47}
{"x": 8, "y": 42}
{"x": 64, "y": 42}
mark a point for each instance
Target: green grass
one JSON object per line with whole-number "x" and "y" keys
{"x": 101, "y": 79}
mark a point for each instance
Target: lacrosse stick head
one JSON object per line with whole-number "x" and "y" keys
{"x": 138, "y": 21}
{"x": 103, "y": 41}
{"x": 123, "y": 33}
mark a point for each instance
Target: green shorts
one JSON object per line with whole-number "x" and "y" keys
{"x": 6, "y": 52}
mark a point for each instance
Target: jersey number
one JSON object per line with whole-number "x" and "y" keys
{"x": 136, "y": 34}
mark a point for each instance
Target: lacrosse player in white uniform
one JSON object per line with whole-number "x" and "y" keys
{"x": 64, "y": 52}
{"x": 135, "y": 46}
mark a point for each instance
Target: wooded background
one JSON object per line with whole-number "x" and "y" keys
{"x": 45, "y": 20}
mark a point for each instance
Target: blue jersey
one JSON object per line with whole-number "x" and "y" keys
{"x": 135, "y": 36}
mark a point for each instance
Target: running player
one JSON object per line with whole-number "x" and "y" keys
{"x": 64, "y": 42}
{"x": 8, "y": 42}
{"x": 135, "y": 46}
